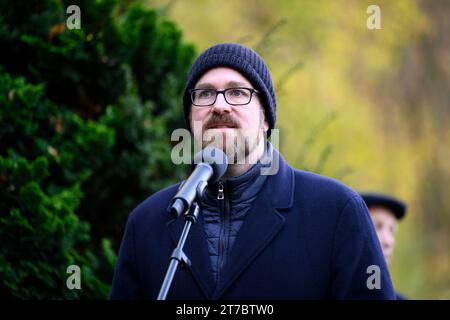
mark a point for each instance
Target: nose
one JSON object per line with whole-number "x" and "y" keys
{"x": 221, "y": 106}
{"x": 387, "y": 240}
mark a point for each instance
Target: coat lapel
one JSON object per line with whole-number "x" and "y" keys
{"x": 262, "y": 224}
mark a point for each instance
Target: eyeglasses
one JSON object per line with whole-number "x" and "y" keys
{"x": 233, "y": 96}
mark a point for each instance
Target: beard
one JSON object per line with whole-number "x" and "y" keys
{"x": 237, "y": 143}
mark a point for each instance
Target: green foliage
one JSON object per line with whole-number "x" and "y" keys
{"x": 85, "y": 122}
{"x": 42, "y": 167}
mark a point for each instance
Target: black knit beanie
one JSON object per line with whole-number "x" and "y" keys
{"x": 245, "y": 61}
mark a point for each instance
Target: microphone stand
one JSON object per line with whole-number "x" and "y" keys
{"x": 178, "y": 255}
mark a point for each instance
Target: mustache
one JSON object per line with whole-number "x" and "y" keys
{"x": 216, "y": 119}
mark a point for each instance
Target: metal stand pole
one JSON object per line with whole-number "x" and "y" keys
{"x": 178, "y": 254}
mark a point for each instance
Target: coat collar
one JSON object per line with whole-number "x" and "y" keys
{"x": 262, "y": 224}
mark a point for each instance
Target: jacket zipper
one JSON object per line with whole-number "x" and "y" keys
{"x": 224, "y": 223}
{"x": 220, "y": 194}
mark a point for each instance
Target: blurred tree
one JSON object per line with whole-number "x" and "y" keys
{"x": 86, "y": 116}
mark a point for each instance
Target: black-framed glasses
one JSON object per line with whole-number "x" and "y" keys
{"x": 233, "y": 96}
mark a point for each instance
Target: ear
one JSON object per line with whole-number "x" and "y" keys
{"x": 264, "y": 118}
{"x": 266, "y": 126}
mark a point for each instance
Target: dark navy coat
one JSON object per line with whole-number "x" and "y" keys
{"x": 305, "y": 237}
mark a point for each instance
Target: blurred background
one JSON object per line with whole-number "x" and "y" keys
{"x": 86, "y": 116}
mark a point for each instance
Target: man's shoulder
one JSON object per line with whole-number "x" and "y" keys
{"x": 319, "y": 188}
{"x": 155, "y": 206}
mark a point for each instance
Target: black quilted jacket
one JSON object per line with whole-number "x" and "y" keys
{"x": 224, "y": 208}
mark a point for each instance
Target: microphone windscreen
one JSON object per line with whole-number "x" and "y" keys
{"x": 214, "y": 157}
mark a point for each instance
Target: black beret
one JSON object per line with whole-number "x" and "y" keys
{"x": 377, "y": 199}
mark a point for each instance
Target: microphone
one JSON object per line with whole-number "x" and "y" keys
{"x": 212, "y": 164}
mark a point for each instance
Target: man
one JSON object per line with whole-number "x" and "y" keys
{"x": 385, "y": 212}
{"x": 288, "y": 235}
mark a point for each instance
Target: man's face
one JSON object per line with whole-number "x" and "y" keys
{"x": 240, "y": 128}
{"x": 385, "y": 224}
